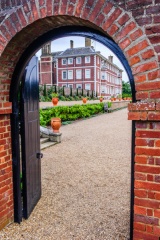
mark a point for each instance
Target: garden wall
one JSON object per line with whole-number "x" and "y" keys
{"x": 135, "y": 26}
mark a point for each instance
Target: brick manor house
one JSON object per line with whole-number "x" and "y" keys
{"x": 81, "y": 68}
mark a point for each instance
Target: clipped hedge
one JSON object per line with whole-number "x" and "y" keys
{"x": 70, "y": 113}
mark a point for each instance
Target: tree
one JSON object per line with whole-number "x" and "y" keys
{"x": 126, "y": 89}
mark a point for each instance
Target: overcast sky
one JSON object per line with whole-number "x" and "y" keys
{"x": 62, "y": 44}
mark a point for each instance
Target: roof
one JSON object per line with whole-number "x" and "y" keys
{"x": 76, "y": 52}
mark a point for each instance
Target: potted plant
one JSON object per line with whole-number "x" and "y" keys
{"x": 101, "y": 98}
{"x": 55, "y": 124}
{"x": 54, "y": 98}
{"x": 119, "y": 97}
{"x": 84, "y": 99}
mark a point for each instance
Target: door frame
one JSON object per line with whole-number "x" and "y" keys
{"x": 17, "y": 75}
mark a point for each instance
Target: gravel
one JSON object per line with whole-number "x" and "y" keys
{"x": 85, "y": 184}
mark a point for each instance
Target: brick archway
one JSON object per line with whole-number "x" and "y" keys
{"x": 26, "y": 21}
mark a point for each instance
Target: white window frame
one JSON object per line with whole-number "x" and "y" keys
{"x": 70, "y": 74}
{"x": 70, "y": 85}
{"x": 70, "y": 61}
{"x": 87, "y": 76}
{"x": 79, "y": 59}
{"x": 87, "y": 84}
{"x": 64, "y": 59}
{"x": 87, "y": 59}
{"x": 63, "y": 75}
{"x": 78, "y": 85}
{"x": 77, "y": 76}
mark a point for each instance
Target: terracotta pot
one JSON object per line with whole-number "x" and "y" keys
{"x": 55, "y": 101}
{"x": 101, "y": 99}
{"x": 84, "y": 100}
{"x": 55, "y": 124}
{"x": 112, "y": 99}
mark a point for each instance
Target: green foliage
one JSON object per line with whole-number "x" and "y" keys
{"x": 70, "y": 113}
{"x": 126, "y": 89}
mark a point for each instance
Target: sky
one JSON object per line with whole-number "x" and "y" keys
{"x": 62, "y": 44}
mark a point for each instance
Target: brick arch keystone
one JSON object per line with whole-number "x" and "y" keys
{"x": 22, "y": 24}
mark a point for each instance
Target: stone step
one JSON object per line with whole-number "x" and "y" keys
{"x": 43, "y": 140}
{"x": 47, "y": 144}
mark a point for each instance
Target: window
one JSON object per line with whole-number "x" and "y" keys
{"x": 103, "y": 89}
{"x": 78, "y": 60}
{"x": 78, "y": 74}
{"x": 88, "y": 86}
{"x": 70, "y": 85}
{"x": 87, "y": 73}
{"x": 70, "y": 60}
{"x": 64, "y": 85}
{"x": 64, "y": 61}
{"x": 103, "y": 76}
{"x": 79, "y": 86}
{"x": 87, "y": 59}
{"x": 64, "y": 74}
{"x": 70, "y": 74}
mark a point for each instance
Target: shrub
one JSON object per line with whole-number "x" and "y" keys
{"x": 70, "y": 113}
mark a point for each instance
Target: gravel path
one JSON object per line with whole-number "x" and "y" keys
{"x": 85, "y": 184}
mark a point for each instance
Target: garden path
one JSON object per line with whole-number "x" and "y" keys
{"x": 85, "y": 184}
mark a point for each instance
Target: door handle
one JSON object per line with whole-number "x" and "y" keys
{"x": 39, "y": 155}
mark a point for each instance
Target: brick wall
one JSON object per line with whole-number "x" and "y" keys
{"x": 135, "y": 27}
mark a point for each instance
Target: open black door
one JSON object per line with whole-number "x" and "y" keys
{"x": 30, "y": 137}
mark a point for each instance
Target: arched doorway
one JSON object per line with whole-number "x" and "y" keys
{"x": 60, "y": 32}
{"x": 32, "y": 20}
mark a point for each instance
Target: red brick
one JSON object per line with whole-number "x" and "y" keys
{"x": 126, "y": 30}
{"x": 137, "y": 48}
{"x": 140, "y": 210}
{"x": 150, "y": 178}
{"x": 156, "y": 230}
{"x": 140, "y": 78}
{"x": 107, "y": 8}
{"x": 143, "y": 236}
{"x": 141, "y": 106}
{"x": 147, "y": 185}
{"x": 153, "y": 75}
{"x": 157, "y": 178}
{"x": 140, "y": 176}
{"x": 153, "y": 10}
{"x": 34, "y": 10}
{"x": 155, "y": 94}
{"x": 113, "y": 29}
{"x": 144, "y": 20}
{"x": 149, "y": 228}
{"x": 134, "y": 116}
{"x": 151, "y": 195}
{"x": 141, "y": 125}
{"x": 157, "y": 196}
{"x": 96, "y": 10}
{"x": 145, "y": 67}
{"x": 142, "y": 95}
{"x": 149, "y": 212}
{"x": 141, "y": 159}
{"x": 147, "y": 85}
{"x": 154, "y": 39}
{"x": 144, "y": 142}
{"x": 154, "y": 116}
{"x": 139, "y": 226}
{"x": 149, "y": 203}
{"x": 156, "y": 19}
{"x": 140, "y": 193}
{"x": 134, "y": 60}
{"x": 49, "y": 7}
{"x": 136, "y": 34}
{"x": 146, "y": 219}
{"x": 123, "y": 19}
{"x": 147, "y": 169}
{"x": 157, "y": 213}
{"x": 112, "y": 18}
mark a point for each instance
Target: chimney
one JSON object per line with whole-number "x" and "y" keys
{"x": 71, "y": 44}
{"x": 87, "y": 42}
{"x": 110, "y": 58}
